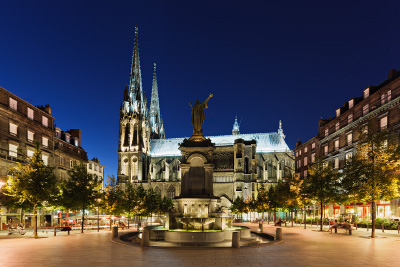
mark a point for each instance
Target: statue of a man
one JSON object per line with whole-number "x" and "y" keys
{"x": 198, "y": 115}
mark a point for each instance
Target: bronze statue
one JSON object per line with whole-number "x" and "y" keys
{"x": 198, "y": 115}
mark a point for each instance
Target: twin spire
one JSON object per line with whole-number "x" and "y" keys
{"x": 135, "y": 99}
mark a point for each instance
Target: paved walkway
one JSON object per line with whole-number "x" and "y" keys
{"x": 299, "y": 248}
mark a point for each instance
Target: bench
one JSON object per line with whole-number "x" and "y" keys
{"x": 348, "y": 229}
{"x": 61, "y": 229}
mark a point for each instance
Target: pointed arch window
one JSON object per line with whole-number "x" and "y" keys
{"x": 246, "y": 165}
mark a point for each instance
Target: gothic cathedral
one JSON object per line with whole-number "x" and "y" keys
{"x": 242, "y": 162}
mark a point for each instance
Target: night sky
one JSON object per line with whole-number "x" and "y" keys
{"x": 264, "y": 62}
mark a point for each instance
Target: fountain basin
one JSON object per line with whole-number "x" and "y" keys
{"x": 196, "y": 237}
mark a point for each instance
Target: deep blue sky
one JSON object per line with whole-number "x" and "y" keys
{"x": 293, "y": 61}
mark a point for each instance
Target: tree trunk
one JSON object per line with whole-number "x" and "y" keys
{"x": 129, "y": 215}
{"x": 35, "y": 224}
{"x": 322, "y": 204}
{"x": 83, "y": 220}
{"x": 373, "y": 213}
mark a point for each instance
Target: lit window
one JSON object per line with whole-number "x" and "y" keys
{"x": 30, "y": 136}
{"x": 100, "y": 169}
{"x": 365, "y": 109}
{"x": 383, "y": 123}
{"x": 349, "y": 155}
{"x": 305, "y": 174}
{"x": 326, "y": 150}
{"x": 67, "y": 138}
{"x": 90, "y": 166}
{"x": 336, "y": 163}
{"x": 312, "y": 157}
{"x": 389, "y": 95}
{"x": 45, "y": 141}
{"x": 45, "y": 159}
{"x": 13, "y": 129}
{"x": 351, "y": 103}
{"x": 71, "y": 163}
{"x": 305, "y": 150}
{"x": 13, "y": 103}
{"x": 366, "y": 93}
{"x": 30, "y": 153}
{"x": 350, "y": 118}
{"x": 58, "y": 134}
{"x": 12, "y": 150}
{"x": 338, "y": 112}
{"x": 95, "y": 168}
{"x": 349, "y": 138}
{"x": 30, "y": 113}
{"x": 383, "y": 99}
{"x": 337, "y": 126}
{"x": 76, "y": 142}
{"x": 61, "y": 161}
{"x": 312, "y": 145}
{"x": 326, "y": 132}
{"x": 337, "y": 144}
{"x": 45, "y": 121}
{"x": 305, "y": 161}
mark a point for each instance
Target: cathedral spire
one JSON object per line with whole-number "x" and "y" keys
{"x": 235, "y": 130}
{"x": 135, "y": 81}
{"x": 156, "y": 124}
{"x": 280, "y": 130}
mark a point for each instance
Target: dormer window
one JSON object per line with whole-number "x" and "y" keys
{"x": 29, "y": 112}
{"x": 67, "y": 138}
{"x": 366, "y": 93}
{"x": 351, "y": 103}
{"x": 337, "y": 126}
{"x": 338, "y": 112}
{"x": 13, "y": 103}
{"x": 326, "y": 132}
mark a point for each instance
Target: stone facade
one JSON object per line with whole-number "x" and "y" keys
{"x": 21, "y": 125}
{"x": 377, "y": 109}
{"x": 240, "y": 162}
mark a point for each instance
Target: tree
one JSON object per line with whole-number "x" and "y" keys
{"x": 32, "y": 184}
{"x": 238, "y": 206}
{"x": 111, "y": 201}
{"x": 80, "y": 191}
{"x": 323, "y": 183}
{"x": 370, "y": 174}
{"x": 151, "y": 202}
{"x": 129, "y": 201}
{"x": 262, "y": 202}
{"x": 293, "y": 195}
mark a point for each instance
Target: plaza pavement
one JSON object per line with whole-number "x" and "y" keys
{"x": 300, "y": 247}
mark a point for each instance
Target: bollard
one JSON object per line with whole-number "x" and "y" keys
{"x": 114, "y": 231}
{"x": 236, "y": 239}
{"x": 68, "y": 232}
{"x": 335, "y": 230}
{"x": 260, "y": 226}
{"x": 350, "y": 231}
{"x": 55, "y": 232}
{"x": 367, "y": 227}
{"x": 278, "y": 234}
{"x": 383, "y": 228}
{"x": 145, "y": 238}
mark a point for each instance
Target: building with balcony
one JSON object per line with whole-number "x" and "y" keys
{"x": 377, "y": 109}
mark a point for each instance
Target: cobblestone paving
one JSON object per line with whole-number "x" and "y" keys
{"x": 300, "y": 247}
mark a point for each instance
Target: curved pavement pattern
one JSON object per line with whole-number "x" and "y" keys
{"x": 299, "y": 248}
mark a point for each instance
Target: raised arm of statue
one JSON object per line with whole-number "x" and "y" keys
{"x": 190, "y": 103}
